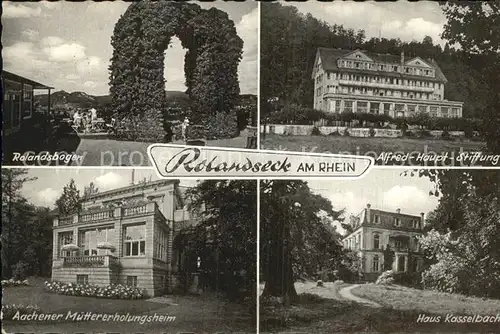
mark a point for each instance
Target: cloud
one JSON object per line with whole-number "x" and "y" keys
{"x": 407, "y": 21}
{"x": 48, "y": 196}
{"x": 52, "y": 41}
{"x": 90, "y": 84}
{"x": 108, "y": 181}
{"x": 11, "y": 10}
{"x": 247, "y": 29}
{"x": 90, "y": 65}
{"x": 66, "y": 52}
{"x": 72, "y": 77}
{"x": 30, "y": 34}
{"x": 409, "y": 199}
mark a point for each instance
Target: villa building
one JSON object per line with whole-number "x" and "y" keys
{"x": 124, "y": 236}
{"x": 374, "y": 231}
{"x": 363, "y": 82}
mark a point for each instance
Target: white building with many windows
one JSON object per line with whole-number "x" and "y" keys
{"x": 373, "y": 231}
{"x": 363, "y": 82}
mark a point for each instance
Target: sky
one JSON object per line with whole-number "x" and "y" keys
{"x": 66, "y": 45}
{"x": 49, "y": 183}
{"x": 384, "y": 189}
{"x": 406, "y": 20}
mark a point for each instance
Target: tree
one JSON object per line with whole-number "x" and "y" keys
{"x": 388, "y": 257}
{"x": 12, "y": 182}
{"x": 227, "y": 234}
{"x": 462, "y": 245}
{"x": 69, "y": 201}
{"x": 475, "y": 26}
{"x": 295, "y": 239}
{"x": 90, "y": 190}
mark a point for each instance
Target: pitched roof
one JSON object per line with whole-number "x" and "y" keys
{"x": 330, "y": 56}
{"x": 17, "y": 78}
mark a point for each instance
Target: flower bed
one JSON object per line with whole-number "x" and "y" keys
{"x": 8, "y": 311}
{"x": 116, "y": 291}
{"x": 12, "y": 282}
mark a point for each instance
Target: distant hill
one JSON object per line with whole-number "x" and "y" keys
{"x": 84, "y": 100}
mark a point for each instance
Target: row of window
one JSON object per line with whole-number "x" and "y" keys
{"x": 409, "y": 109}
{"x": 161, "y": 242}
{"x": 364, "y": 65}
{"x": 354, "y": 242}
{"x": 379, "y": 79}
{"x": 84, "y": 279}
{"x": 134, "y": 240}
{"x": 378, "y": 92}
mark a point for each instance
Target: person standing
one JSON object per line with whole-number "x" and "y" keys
{"x": 184, "y": 128}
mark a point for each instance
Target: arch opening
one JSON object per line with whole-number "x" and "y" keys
{"x": 137, "y": 84}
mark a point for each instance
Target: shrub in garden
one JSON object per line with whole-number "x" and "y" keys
{"x": 335, "y": 133}
{"x": 319, "y": 283}
{"x": 8, "y": 311}
{"x": 372, "y": 132}
{"x": 387, "y": 277}
{"x": 346, "y": 133}
{"x": 21, "y": 270}
{"x": 12, "y": 282}
{"x": 446, "y": 135}
{"x": 315, "y": 131}
{"x": 116, "y": 291}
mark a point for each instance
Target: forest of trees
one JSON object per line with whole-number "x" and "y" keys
{"x": 289, "y": 41}
{"x": 26, "y": 230}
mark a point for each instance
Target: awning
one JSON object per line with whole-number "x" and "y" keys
{"x": 17, "y": 78}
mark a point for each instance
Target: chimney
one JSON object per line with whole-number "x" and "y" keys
{"x": 368, "y": 213}
{"x": 422, "y": 219}
{"x": 398, "y": 211}
{"x": 132, "y": 181}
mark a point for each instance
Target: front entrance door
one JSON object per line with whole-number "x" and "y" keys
{"x": 401, "y": 263}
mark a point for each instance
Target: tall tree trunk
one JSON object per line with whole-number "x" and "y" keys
{"x": 280, "y": 280}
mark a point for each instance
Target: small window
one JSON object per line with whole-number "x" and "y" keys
{"x": 132, "y": 281}
{"x": 376, "y": 219}
{"x": 397, "y": 222}
{"x": 376, "y": 241}
{"x": 82, "y": 279}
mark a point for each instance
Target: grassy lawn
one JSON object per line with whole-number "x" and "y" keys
{"x": 404, "y": 298}
{"x": 108, "y": 152}
{"x": 365, "y": 146}
{"x": 205, "y": 313}
{"x": 321, "y": 315}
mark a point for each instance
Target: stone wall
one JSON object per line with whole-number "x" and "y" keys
{"x": 306, "y": 130}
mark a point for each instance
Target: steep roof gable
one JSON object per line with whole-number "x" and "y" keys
{"x": 417, "y": 61}
{"x": 357, "y": 54}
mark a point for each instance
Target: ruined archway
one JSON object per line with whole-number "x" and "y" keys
{"x": 137, "y": 84}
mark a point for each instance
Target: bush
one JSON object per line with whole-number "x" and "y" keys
{"x": 12, "y": 282}
{"x": 116, "y": 291}
{"x": 319, "y": 283}
{"x": 315, "y": 131}
{"x": 9, "y": 311}
{"x": 412, "y": 280}
{"x": 387, "y": 277}
{"x": 372, "y": 132}
{"x": 346, "y": 275}
{"x": 334, "y": 134}
{"x": 21, "y": 270}
{"x": 346, "y": 133}
{"x": 446, "y": 135}
{"x": 424, "y": 134}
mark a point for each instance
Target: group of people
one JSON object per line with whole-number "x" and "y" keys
{"x": 85, "y": 120}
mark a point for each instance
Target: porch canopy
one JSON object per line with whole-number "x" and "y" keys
{"x": 6, "y": 75}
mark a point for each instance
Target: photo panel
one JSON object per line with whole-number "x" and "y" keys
{"x": 397, "y": 251}
{"x": 94, "y": 83}
{"x": 407, "y": 83}
{"x": 121, "y": 251}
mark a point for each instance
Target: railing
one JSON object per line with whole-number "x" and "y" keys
{"x": 90, "y": 261}
{"x": 135, "y": 210}
{"x": 93, "y": 216}
{"x": 66, "y": 220}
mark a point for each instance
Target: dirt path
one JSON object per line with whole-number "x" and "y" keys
{"x": 347, "y": 294}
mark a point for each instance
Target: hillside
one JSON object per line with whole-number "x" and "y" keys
{"x": 84, "y": 100}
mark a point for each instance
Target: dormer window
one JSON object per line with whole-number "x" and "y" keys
{"x": 397, "y": 222}
{"x": 358, "y": 56}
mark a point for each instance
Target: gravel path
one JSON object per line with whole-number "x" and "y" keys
{"x": 347, "y": 294}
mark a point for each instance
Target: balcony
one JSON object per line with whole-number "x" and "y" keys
{"x": 384, "y": 85}
{"x": 104, "y": 261}
{"x": 105, "y": 214}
